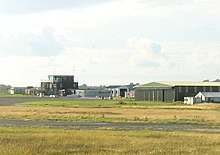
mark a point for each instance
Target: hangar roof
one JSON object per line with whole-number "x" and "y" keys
{"x": 169, "y": 84}
{"x": 209, "y": 94}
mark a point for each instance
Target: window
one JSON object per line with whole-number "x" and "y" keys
{"x": 187, "y": 89}
{"x": 180, "y": 89}
{"x": 51, "y": 78}
{"x": 195, "y": 89}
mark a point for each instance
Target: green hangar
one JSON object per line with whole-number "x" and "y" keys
{"x": 173, "y": 91}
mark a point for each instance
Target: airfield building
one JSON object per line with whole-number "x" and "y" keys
{"x": 173, "y": 91}
{"x": 59, "y": 85}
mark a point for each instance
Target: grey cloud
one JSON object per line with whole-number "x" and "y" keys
{"x": 148, "y": 53}
{"x": 45, "y": 44}
{"x": 155, "y": 48}
{"x": 28, "y": 44}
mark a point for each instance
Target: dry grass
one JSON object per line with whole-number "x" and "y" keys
{"x": 198, "y": 113}
{"x": 43, "y": 140}
{"x": 25, "y": 141}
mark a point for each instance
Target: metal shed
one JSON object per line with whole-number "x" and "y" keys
{"x": 209, "y": 96}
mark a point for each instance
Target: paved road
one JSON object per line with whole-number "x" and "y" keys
{"x": 7, "y": 101}
{"x": 115, "y": 125}
{"x": 12, "y": 101}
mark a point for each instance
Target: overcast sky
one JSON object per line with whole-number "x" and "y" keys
{"x": 105, "y": 42}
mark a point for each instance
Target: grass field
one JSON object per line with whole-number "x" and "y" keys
{"x": 98, "y": 103}
{"x": 113, "y": 111}
{"x": 26, "y": 140}
{"x": 45, "y": 140}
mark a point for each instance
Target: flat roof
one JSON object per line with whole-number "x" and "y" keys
{"x": 60, "y": 75}
{"x": 167, "y": 84}
{"x": 210, "y": 94}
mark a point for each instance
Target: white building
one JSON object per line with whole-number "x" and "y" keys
{"x": 17, "y": 90}
{"x": 192, "y": 100}
{"x": 32, "y": 91}
{"x": 209, "y": 96}
{"x": 94, "y": 93}
{"x": 119, "y": 91}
